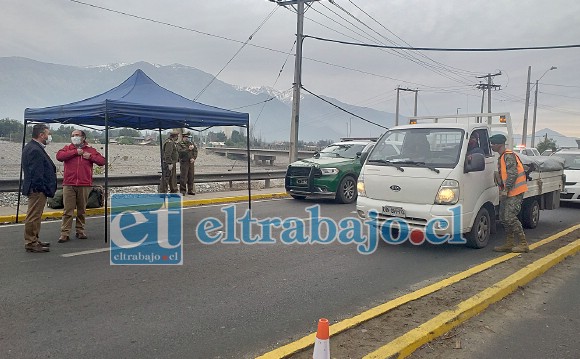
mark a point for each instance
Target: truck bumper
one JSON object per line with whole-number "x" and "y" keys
{"x": 418, "y": 216}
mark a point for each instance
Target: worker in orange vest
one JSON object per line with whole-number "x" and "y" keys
{"x": 512, "y": 185}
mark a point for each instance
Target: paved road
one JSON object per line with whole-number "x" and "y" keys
{"x": 227, "y": 301}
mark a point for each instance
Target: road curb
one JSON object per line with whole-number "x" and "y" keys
{"x": 185, "y": 203}
{"x": 406, "y": 344}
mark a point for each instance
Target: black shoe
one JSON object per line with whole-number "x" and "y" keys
{"x": 36, "y": 248}
{"x": 191, "y": 193}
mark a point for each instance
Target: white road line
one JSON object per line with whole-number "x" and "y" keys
{"x": 90, "y": 251}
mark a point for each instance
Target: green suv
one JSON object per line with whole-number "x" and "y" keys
{"x": 331, "y": 173}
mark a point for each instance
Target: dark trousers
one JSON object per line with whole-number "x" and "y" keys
{"x": 169, "y": 178}
{"x": 186, "y": 173}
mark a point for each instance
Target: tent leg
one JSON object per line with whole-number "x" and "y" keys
{"x": 20, "y": 179}
{"x": 106, "y": 178}
{"x": 161, "y": 162}
{"x": 249, "y": 162}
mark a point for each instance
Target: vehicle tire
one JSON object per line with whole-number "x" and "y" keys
{"x": 296, "y": 196}
{"x": 346, "y": 191}
{"x": 480, "y": 232}
{"x": 530, "y": 214}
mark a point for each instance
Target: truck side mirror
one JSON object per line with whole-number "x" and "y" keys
{"x": 363, "y": 157}
{"x": 474, "y": 163}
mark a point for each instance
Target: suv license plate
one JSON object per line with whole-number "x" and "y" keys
{"x": 394, "y": 211}
{"x": 301, "y": 181}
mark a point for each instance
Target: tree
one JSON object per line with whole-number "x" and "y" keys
{"x": 11, "y": 129}
{"x": 546, "y": 144}
{"x": 129, "y": 132}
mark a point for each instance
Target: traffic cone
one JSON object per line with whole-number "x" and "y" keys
{"x": 322, "y": 344}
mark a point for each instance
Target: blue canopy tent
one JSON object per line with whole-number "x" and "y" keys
{"x": 139, "y": 103}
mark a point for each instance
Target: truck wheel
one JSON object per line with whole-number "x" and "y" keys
{"x": 480, "y": 232}
{"x": 295, "y": 196}
{"x": 346, "y": 191}
{"x": 531, "y": 214}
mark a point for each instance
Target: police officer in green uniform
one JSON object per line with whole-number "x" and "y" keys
{"x": 169, "y": 163}
{"x": 187, "y": 157}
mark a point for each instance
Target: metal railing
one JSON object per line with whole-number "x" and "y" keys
{"x": 11, "y": 185}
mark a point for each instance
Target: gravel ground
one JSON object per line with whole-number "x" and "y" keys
{"x": 135, "y": 159}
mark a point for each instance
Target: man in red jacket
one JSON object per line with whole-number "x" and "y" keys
{"x": 78, "y": 158}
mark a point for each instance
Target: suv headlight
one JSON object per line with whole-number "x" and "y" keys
{"x": 329, "y": 171}
{"x": 448, "y": 192}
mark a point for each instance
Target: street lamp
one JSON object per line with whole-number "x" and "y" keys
{"x": 459, "y": 108}
{"x": 536, "y": 106}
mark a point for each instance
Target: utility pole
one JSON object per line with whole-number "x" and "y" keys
{"x": 534, "y": 122}
{"x": 536, "y": 106}
{"x": 397, "y": 108}
{"x": 488, "y": 86}
{"x": 295, "y": 120}
{"x": 525, "y": 129}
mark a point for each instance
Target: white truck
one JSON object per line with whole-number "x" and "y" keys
{"x": 436, "y": 169}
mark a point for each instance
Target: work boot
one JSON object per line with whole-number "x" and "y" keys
{"x": 507, "y": 247}
{"x": 522, "y": 247}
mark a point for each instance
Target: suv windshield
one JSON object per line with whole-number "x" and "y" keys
{"x": 344, "y": 150}
{"x": 432, "y": 147}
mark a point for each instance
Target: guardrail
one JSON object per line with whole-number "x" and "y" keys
{"x": 11, "y": 185}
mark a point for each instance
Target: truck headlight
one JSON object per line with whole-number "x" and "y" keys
{"x": 329, "y": 171}
{"x": 360, "y": 186}
{"x": 448, "y": 192}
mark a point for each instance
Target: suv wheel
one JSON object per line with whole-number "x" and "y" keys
{"x": 346, "y": 191}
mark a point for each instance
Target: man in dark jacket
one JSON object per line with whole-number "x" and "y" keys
{"x": 78, "y": 158}
{"x": 39, "y": 183}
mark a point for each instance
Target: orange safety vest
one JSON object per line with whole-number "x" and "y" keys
{"x": 520, "y": 186}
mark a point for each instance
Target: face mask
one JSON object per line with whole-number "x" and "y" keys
{"x": 48, "y": 140}
{"x": 76, "y": 140}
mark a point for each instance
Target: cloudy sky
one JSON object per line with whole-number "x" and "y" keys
{"x": 207, "y": 34}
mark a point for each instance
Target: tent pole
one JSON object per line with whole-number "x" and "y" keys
{"x": 106, "y": 176}
{"x": 161, "y": 161}
{"x": 249, "y": 161}
{"x": 20, "y": 179}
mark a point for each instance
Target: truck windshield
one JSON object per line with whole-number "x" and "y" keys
{"x": 348, "y": 150}
{"x": 432, "y": 147}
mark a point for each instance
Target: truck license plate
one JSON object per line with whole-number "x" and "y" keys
{"x": 301, "y": 181}
{"x": 394, "y": 211}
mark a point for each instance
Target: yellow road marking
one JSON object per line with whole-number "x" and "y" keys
{"x": 185, "y": 203}
{"x": 406, "y": 344}
{"x": 308, "y": 341}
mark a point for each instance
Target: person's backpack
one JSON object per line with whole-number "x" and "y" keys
{"x": 96, "y": 198}
{"x": 55, "y": 202}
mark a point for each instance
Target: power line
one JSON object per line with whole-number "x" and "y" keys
{"x": 236, "y": 54}
{"x": 342, "y": 109}
{"x": 445, "y": 49}
{"x": 553, "y": 94}
{"x": 407, "y": 56}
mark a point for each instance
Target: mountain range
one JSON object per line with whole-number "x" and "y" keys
{"x": 29, "y": 83}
